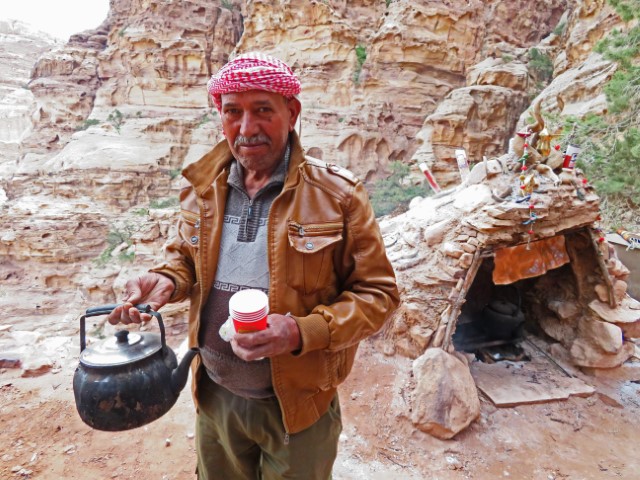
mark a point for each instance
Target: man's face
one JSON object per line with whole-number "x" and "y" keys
{"x": 257, "y": 126}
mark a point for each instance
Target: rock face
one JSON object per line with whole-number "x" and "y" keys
{"x": 20, "y": 47}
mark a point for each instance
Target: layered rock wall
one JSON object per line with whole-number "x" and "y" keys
{"x": 120, "y": 109}
{"x": 20, "y": 47}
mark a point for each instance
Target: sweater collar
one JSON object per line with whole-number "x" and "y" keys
{"x": 202, "y": 173}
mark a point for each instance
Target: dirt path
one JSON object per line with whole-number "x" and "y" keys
{"x": 41, "y": 435}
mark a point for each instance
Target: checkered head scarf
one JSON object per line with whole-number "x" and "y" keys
{"x": 253, "y": 71}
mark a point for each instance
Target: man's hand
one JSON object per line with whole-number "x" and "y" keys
{"x": 281, "y": 336}
{"x": 152, "y": 288}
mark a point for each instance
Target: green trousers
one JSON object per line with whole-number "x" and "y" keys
{"x": 244, "y": 439}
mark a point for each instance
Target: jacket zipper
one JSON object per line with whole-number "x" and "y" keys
{"x": 314, "y": 229}
{"x": 203, "y": 210}
{"x": 274, "y": 378}
{"x": 246, "y": 220}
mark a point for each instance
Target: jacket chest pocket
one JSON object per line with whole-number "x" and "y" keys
{"x": 190, "y": 228}
{"x": 310, "y": 261}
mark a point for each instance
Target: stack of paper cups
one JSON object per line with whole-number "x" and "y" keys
{"x": 570, "y": 156}
{"x": 249, "y": 310}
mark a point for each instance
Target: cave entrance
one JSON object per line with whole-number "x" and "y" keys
{"x": 537, "y": 290}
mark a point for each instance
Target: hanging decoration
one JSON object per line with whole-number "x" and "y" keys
{"x": 528, "y": 184}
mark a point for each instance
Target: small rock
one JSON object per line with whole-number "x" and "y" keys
{"x": 453, "y": 463}
{"x": 602, "y": 292}
{"x": 6, "y": 457}
{"x": 167, "y": 442}
{"x": 619, "y": 290}
{"x": 25, "y": 472}
{"x": 24, "y": 338}
{"x": 16, "y": 469}
{"x": 36, "y": 367}
{"x": 452, "y": 249}
{"x": 190, "y": 435}
{"x": 466, "y": 260}
{"x": 9, "y": 361}
{"x": 69, "y": 449}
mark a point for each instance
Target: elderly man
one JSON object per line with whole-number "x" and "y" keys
{"x": 259, "y": 214}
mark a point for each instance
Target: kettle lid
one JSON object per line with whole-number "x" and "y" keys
{"x": 123, "y": 348}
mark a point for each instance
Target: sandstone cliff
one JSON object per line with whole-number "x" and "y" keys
{"x": 120, "y": 109}
{"x": 20, "y": 47}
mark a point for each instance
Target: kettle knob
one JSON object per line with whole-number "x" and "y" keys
{"x": 122, "y": 336}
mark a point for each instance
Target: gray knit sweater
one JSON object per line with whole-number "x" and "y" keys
{"x": 242, "y": 264}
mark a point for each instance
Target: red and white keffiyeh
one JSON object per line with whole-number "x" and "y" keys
{"x": 253, "y": 71}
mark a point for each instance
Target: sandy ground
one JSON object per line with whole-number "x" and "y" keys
{"x": 42, "y": 436}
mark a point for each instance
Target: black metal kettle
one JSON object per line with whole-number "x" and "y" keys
{"x": 129, "y": 379}
{"x": 503, "y": 318}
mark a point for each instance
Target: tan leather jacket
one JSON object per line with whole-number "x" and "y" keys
{"x": 327, "y": 267}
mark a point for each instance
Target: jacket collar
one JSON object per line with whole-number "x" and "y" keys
{"x": 202, "y": 173}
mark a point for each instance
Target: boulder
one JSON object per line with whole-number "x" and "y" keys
{"x": 445, "y": 400}
{"x": 626, "y": 315}
{"x": 585, "y": 354}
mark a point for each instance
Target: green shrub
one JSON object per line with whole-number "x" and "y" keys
{"x": 610, "y": 143}
{"x": 205, "y": 118}
{"x": 142, "y": 212}
{"x": 87, "y": 123}
{"x": 541, "y": 66}
{"x": 175, "y": 173}
{"x": 117, "y": 236}
{"x": 164, "y": 203}
{"x": 559, "y": 30}
{"x": 361, "y": 57}
{"x": 392, "y": 192}
{"x": 116, "y": 119}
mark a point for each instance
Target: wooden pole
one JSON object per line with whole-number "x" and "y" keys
{"x": 603, "y": 268}
{"x": 462, "y": 294}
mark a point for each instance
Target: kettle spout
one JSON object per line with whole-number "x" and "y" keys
{"x": 180, "y": 374}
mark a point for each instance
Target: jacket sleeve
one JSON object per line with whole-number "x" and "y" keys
{"x": 369, "y": 293}
{"x": 179, "y": 264}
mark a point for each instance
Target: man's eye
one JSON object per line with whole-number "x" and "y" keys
{"x": 264, "y": 110}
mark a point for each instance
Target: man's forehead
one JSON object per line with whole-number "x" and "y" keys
{"x": 251, "y": 96}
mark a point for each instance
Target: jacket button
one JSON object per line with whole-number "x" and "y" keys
{"x": 309, "y": 246}
{"x": 194, "y": 239}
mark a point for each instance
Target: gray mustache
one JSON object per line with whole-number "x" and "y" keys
{"x": 260, "y": 138}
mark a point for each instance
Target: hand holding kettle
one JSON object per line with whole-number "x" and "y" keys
{"x": 152, "y": 288}
{"x": 129, "y": 379}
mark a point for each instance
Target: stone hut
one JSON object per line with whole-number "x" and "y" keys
{"x": 510, "y": 241}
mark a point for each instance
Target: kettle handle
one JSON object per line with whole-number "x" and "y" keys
{"x": 106, "y": 309}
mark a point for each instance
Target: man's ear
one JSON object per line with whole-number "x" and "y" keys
{"x": 294, "y": 106}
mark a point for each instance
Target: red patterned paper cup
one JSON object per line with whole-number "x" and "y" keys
{"x": 249, "y": 310}
{"x": 254, "y": 326}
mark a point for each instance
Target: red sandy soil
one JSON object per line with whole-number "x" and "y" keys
{"x": 580, "y": 438}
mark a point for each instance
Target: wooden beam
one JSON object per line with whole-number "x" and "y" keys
{"x": 462, "y": 294}
{"x": 603, "y": 268}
